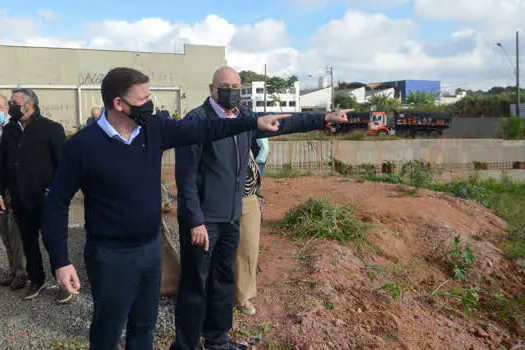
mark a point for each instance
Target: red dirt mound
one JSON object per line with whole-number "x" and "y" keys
{"x": 320, "y": 294}
{"x": 324, "y": 295}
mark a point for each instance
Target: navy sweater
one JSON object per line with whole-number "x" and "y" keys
{"x": 210, "y": 180}
{"x": 121, "y": 183}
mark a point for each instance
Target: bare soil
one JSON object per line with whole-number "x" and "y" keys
{"x": 321, "y": 294}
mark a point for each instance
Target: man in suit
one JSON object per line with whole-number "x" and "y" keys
{"x": 9, "y": 229}
{"x": 30, "y": 149}
{"x": 210, "y": 183}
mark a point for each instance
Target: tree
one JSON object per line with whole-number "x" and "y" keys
{"x": 275, "y": 85}
{"x": 343, "y": 100}
{"x": 421, "y": 98}
{"x": 247, "y": 76}
{"x": 383, "y": 103}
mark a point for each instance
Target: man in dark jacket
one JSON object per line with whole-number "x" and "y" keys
{"x": 116, "y": 162}
{"x": 210, "y": 182}
{"x": 29, "y": 153}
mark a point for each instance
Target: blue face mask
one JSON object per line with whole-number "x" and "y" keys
{"x": 2, "y": 118}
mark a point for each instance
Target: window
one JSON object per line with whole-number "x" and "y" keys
{"x": 291, "y": 104}
{"x": 259, "y": 90}
{"x": 283, "y": 103}
{"x": 250, "y": 91}
{"x": 244, "y": 91}
{"x": 270, "y": 103}
{"x": 259, "y": 103}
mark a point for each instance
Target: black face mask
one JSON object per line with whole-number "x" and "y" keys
{"x": 229, "y": 98}
{"x": 141, "y": 114}
{"x": 15, "y": 111}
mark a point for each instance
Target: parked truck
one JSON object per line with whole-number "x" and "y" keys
{"x": 404, "y": 124}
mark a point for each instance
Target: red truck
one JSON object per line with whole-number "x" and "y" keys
{"x": 405, "y": 124}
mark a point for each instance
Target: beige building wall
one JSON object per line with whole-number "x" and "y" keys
{"x": 64, "y": 77}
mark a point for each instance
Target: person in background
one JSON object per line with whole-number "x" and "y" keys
{"x": 164, "y": 112}
{"x": 249, "y": 234}
{"x": 30, "y": 150}
{"x": 260, "y": 149}
{"x": 9, "y": 229}
{"x": 210, "y": 183}
{"x": 158, "y": 113}
{"x": 95, "y": 115}
{"x": 117, "y": 165}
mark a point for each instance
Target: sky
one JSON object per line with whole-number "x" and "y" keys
{"x": 453, "y": 41}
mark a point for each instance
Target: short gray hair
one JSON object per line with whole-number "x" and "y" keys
{"x": 29, "y": 95}
{"x": 5, "y": 99}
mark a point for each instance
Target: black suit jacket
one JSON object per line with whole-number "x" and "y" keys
{"x": 29, "y": 158}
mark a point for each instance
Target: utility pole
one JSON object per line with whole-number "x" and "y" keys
{"x": 265, "y": 88}
{"x": 518, "y": 73}
{"x": 332, "y": 86}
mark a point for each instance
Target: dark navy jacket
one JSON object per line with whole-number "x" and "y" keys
{"x": 210, "y": 181}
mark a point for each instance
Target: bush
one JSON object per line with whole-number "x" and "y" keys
{"x": 320, "y": 219}
{"x": 512, "y": 128}
{"x": 356, "y": 135}
{"x": 287, "y": 171}
{"x": 419, "y": 174}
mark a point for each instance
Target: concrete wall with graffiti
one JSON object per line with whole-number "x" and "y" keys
{"x": 191, "y": 72}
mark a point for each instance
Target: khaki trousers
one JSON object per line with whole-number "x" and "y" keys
{"x": 12, "y": 242}
{"x": 248, "y": 250}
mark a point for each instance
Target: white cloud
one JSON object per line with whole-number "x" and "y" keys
{"x": 263, "y": 36}
{"x": 17, "y": 28}
{"x": 497, "y": 18}
{"x": 360, "y": 46}
{"x": 47, "y": 14}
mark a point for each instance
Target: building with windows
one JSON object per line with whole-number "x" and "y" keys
{"x": 286, "y": 101}
{"x": 405, "y": 87}
{"x": 67, "y": 81}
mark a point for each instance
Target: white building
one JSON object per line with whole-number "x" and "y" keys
{"x": 314, "y": 100}
{"x": 252, "y": 96}
{"x": 446, "y": 99}
{"x": 318, "y": 99}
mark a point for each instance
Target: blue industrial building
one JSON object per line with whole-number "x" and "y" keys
{"x": 404, "y": 87}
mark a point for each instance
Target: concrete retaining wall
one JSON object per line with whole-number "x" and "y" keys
{"x": 318, "y": 154}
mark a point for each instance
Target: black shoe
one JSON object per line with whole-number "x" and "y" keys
{"x": 230, "y": 346}
{"x": 32, "y": 291}
{"x": 7, "y": 282}
{"x": 237, "y": 346}
{"x": 18, "y": 282}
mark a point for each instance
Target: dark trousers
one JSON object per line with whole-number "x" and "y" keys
{"x": 125, "y": 286}
{"x": 30, "y": 224}
{"x": 205, "y": 299}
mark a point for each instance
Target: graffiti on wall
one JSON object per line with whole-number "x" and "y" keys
{"x": 90, "y": 78}
{"x": 95, "y": 78}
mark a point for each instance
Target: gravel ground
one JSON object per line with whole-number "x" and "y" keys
{"x": 37, "y": 324}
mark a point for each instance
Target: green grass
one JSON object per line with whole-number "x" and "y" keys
{"x": 356, "y": 135}
{"x": 320, "y": 219}
{"x": 506, "y": 199}
{"x": 286, "y": 172}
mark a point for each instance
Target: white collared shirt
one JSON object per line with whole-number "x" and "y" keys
{"x": 113, "y": 133}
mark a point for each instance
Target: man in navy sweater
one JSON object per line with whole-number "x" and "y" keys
{"x": 116, "y": 162}
{"x": 210, "y": 183}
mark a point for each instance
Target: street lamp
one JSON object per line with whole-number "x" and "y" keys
{"x": 516, "y": 69}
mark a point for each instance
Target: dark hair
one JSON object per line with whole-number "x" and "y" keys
{"x": 117, "y": 83}
{"x": 29, "y": 95}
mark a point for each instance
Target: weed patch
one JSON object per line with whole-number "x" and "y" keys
{"x": 319, "y": 219}
{"x": 287, "y": 171}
